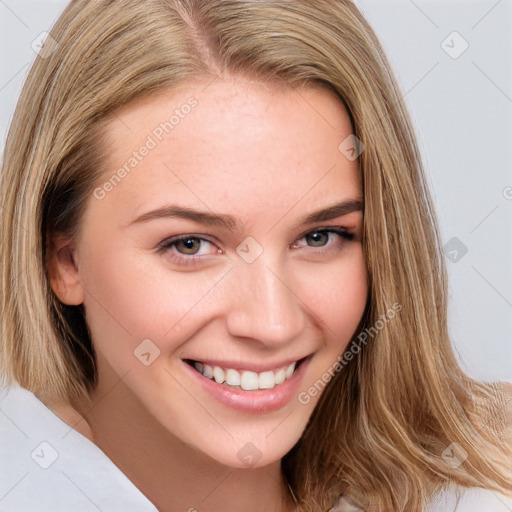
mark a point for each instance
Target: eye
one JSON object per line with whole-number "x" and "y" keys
{"x": 322, "y": 237}
{"x": 185, "y": 249}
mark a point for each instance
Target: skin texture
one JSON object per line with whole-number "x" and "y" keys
{"x": 267, "y": 155}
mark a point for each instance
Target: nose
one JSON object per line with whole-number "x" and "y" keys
{"x": 264, "y": 306}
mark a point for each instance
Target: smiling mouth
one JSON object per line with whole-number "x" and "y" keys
{"x": 246, "y": 380}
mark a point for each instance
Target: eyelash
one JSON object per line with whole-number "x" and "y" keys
{"x": 191, "y": 259}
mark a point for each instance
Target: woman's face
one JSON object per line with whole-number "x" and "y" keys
{"x": 205, "y": 242}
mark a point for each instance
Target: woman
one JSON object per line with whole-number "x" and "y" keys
{"x": 190, "y": 282}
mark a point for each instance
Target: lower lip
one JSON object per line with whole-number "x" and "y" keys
{"x": 258, "y": 401}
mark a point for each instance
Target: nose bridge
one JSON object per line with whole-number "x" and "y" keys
{"x": 264, "y": 306}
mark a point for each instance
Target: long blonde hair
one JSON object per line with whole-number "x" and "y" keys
{"x": 383, "y": 423}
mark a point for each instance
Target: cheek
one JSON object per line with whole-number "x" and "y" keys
{"x": 132, "y": 297}
{"x": 338, "y": 295}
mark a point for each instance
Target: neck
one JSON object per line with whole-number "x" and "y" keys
{"x": 173, "y": 475}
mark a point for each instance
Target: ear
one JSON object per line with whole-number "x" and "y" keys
{"x": 63, "y": 270}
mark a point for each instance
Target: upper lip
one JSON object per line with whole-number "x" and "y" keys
{"x": 252, "y": 366}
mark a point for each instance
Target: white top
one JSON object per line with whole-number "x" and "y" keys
{"x": 45, "y": 465}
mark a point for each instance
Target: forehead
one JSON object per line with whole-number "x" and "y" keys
{"x": 230, "y": 142}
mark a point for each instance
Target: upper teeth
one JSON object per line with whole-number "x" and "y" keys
{"x": 247, "y": 380}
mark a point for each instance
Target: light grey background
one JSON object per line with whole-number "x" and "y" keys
{"x": 462, "y": 109}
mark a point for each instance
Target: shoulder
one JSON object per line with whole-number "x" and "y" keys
{"x": 344, "y": 503}
{"x": 505, "y": 401}
{"x": 452, "y": 499}
{"x": 507, "y": 390}
{"x": 474, "y": 499}
{"x": 70, "y": 416}
{"x": 47, "y": 465}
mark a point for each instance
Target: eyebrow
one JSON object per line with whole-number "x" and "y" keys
{"x": 232, "y": 224}
{"x": 332, "y": 212}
